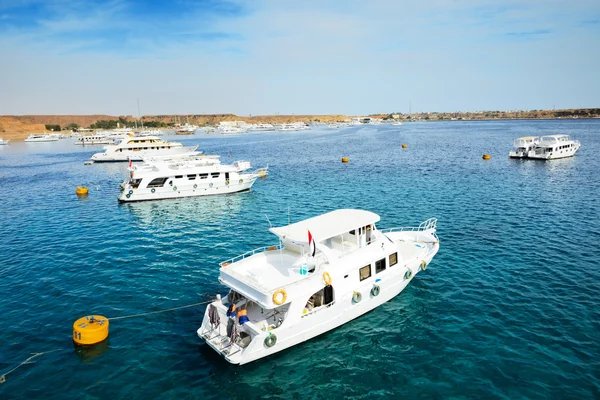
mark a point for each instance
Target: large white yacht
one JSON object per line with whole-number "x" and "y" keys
{"x": 136, "y": 148}
{"x": 554, "y": 146}
{"x": 41, "y": 137}
{"x": 522, "y": 146}
{"x": 326, "y": 271}
{"x": 186, "y": 176}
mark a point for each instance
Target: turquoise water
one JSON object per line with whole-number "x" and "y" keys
{"x": 507, "y": 309}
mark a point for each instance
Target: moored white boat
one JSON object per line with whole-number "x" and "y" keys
{"x": 326, "y": 271}
{"x": 523, "y": 145}
{"x": 136, "y": 148}
{"x": 4, "y": 142}
{"x": 186, "y": 176}
{"x": 41, "y": 137}
{"x": 554, "y": 146}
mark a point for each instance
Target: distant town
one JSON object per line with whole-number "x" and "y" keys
{"x": 18, "y": 127}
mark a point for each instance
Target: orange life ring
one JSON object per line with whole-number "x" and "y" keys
{"x": 327, "y": 278}
{"x": 276, "y": 296}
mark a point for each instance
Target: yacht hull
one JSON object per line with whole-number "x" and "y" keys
{"x": 175, "y": 192}
{"x": 343, "y": 310}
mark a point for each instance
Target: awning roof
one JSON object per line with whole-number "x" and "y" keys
{"x": 327, "y": 225}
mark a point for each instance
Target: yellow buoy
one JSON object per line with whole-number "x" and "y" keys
{"x": 345, "y": 159}
{"x": 262, "y": 173}
{"x": 486, "y": 157}
{"x": 81, "y": 191}
{"x": 90, "y": 330}
{"x": 404, "y": 145}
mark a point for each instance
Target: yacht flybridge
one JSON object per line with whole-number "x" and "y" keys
{"x": 326, "y": 271}
{"x": 136, "y": 148}
{"x": 168, "y": 177}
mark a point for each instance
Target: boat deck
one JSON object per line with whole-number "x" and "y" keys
{"x": 269, "y": 270}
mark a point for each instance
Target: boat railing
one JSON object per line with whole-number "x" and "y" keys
{"x": 431, "y": 223}
{"x": 250, "y": 254}
{"x": 317, "y": 309}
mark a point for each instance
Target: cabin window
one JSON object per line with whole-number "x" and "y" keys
{"x": 393, "y": 259}
{"x": 191, "y": 177}
{"x": 365, "y": 272}
{"x": 178, "y": 176}
{"x": 215, "y": 174}
{"x": 352, "y": 232}
{"x": 157, "y": 182}
{"x": 380, "y": 266}
{"x": 203, "y": 176}
{"x": 135, "y": 183}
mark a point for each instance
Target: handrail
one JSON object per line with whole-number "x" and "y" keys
{"x": 431, "y": 223}
{"x": 250, "y": 253}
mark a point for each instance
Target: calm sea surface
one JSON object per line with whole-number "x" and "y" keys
{"x": 508, "y": 309}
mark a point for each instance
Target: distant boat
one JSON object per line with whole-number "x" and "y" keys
{"x": 554, "y": 146}
{"x": 397, "y": 123}
{"x": 41, "y": 137}
{"x": 169, "y": 177}
{"x": 522, "y": 146}
{"x": 136, "y": 148}
{"x": 3, "y": 142}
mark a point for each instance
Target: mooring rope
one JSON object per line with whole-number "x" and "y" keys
{"x": 3, "y": 376}
{"x": 160, "y": 311}
{"x": 34, "y": 355}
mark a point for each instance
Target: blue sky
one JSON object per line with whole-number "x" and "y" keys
{"x": 297, "y": 57}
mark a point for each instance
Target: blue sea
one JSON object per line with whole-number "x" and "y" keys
{"x": 508, "y": 309}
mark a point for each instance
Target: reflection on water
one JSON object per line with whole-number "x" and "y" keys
{"x": 205, "y": 209}
{"x": 87, "y": 354}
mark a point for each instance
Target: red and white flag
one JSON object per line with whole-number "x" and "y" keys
{"x": 130, "y": 163}
{"x": 312, "y": 248}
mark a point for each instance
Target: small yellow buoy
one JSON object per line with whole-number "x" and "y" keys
{"x": 81, "y": 191}
{"x": 404, "y": 145}
{"x": 262, "y": 173}
{"x": 90, "y": 330}
{"x": 345, "y": 159}
{"x": 486, "y": 157}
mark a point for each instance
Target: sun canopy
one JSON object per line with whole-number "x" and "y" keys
{"x": 327, "y": 225}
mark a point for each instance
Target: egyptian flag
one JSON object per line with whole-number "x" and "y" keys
{"x": 311, "y": 245}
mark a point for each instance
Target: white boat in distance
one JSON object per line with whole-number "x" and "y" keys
{"x": 186, "y": 176}
{"x": 3, "y": 142}
{"x": 136, "y": 148}
{"x": 522, "y": 146}
{"x": 326, "y": 271}
{"x": 554, "y": 146}
{"x": 41, "y": 137}
{"x": 185, "y": 129}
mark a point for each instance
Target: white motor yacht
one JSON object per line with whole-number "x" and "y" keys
{"x": 3, "y": 142}
{"x": 136, "y": 148}
{"x": 523, "y": 145}
{"x": 186, "y": 176}
{"x": 41, "y": 137}
{"x": 326, "y": 271}
{"x": 554, "y": 146}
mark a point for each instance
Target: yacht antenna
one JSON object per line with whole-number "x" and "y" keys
{"x": 267, "y": 217}
{"x": 139, "y": 114}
